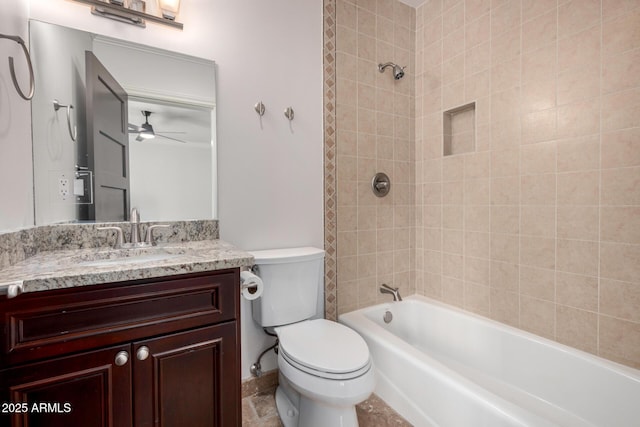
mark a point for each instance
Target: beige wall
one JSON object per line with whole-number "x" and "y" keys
{"x": 539, "y": 226}
{"x": 374, "y": 119}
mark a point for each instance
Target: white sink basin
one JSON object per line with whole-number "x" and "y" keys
{"x": 127, "y": 257}
{"x": 141, "y": 259}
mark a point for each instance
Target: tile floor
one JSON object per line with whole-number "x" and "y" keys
{"x": 259, "y": 410}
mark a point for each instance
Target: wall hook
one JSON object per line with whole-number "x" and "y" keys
{"x": 288, "y": 113}
{"x": 260, "y": 108}
{"x": 73, "y": 133}
{"x": 32, "y": 83}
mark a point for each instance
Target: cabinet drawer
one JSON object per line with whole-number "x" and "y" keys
{"x": 37, "y": 326}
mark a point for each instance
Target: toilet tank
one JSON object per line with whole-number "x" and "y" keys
{"x": 291, "y": 279}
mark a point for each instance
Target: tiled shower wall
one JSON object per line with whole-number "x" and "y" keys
{"x": 539, "y": 226}
{"x": 375, "y": 133}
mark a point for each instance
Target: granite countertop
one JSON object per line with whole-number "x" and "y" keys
{"x": 84, "y": 267}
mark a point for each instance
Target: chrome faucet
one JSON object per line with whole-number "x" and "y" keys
{"x": 135, "y": 240}
{"x": 134, "y": 219}
{"x": 386, "y": 289}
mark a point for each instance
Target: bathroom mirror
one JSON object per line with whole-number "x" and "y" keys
{"x": 93, "y": 158}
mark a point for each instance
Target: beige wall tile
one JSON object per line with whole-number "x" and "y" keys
{"x": 577, "y": 291}
{"x": 505, "y": 162}
{"x": 580, "y": 118}
{"x": 505, "y": 219}
{"x": 538, "y": 221}
{"x": 538, "y": 158}
{"x": 620, "y": 224}
{"x": 505, "y": 307}
{"x": 475, "y": 8}
{"x": 578, "y": 84}
{"x": 477, "y": 270}
{"x": 576, "y": 15}
{"x": 579, "y": 154}
{"x": 452, "y": 241}
{"x": 579, "y": 50}
{"x": 452, "y": 216}
{"x": 505, "y": 17}
{"x": 478, "y": 58}
{"x": 619, "y": 339}
{"x": 621, "y": 110}
{"x": 577, "y": 328}
{"x": 620, "y": 299}
{"x": 577, "y": 256}
{"x": 621, "y": 186}
{"x": 537, "y": 316}
{"x": 538, "y": 283}
{"x": 533, "y": 8}
{"x": 578, "y": 222}
{"x": 621, "y": 34}
{"x": 539, "y": 95}
{"x": 505, "y": 276}
{"x": 622, "y": 71}
{"x": 621, "y": 148}
{"x": 505, "y": 47}
{"x": 540, "y": 126}
{"x": 540, "y": 30}
{"x": 477, "y": 298}
{"x": 538, "y": 251}
{"x": 505, "y": 247}
{"x": 538, "y": 189}
{"x": 452, "y": 291}
{"x": 620, "y": 261}
{"x": 477, "y": 30}
{"x": 612, "y": 8}
{"x": 477, "y": 244}
{"x": 452, "y": 193}
{"x": 506, "y": 190}
{"x": 578, "y": 188}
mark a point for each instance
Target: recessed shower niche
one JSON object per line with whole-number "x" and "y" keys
{"x": 459, "y": 125}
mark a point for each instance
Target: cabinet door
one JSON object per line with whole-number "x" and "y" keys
{"x": 87, "y": 389}
{"x": 188, "y": 379}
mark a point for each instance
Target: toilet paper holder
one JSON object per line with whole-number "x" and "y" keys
{"x": 250, "y": 283}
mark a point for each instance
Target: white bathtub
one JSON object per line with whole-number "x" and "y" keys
{"x": 441, "y": 366}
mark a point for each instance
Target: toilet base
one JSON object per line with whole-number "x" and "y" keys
{"x": 287, "y": 411}
{"x": 310, "y": 413}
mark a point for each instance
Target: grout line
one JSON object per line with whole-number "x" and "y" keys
{"x": 599, "y": 181}
{"x": 555, "y": 261}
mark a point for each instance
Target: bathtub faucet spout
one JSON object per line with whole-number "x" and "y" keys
{"x": 386, "y": 289}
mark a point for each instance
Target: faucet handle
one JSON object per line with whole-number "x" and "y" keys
{"x": 148, "y": 238}
{"x": 119, "y": 236}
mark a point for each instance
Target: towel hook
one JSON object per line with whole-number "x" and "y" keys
{"x": 32, "y": 83}
{"x": 73, "y": 133}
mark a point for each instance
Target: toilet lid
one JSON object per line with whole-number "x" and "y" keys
{"x": 324, "y": 346}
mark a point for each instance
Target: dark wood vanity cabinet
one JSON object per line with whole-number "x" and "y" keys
{"x": 155, "y": 352}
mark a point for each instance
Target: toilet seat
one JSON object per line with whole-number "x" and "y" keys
{"x": 324, "y": 349}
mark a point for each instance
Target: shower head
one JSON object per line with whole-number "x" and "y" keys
{"x": 398, "y": 71}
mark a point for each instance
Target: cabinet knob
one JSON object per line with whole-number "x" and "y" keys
{"x": 143, "y": 353}
{"x": 122, "y": 358}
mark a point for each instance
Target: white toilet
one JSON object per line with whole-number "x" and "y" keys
{"x": 325, "y": 367}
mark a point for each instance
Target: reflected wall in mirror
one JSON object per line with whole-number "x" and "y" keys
{"x": 171, "y": 176}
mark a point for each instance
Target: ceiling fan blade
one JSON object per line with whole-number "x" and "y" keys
{"x": 168, "y": 137}
{"x": 139, "y": 138}
{"x": 133, "y": 128}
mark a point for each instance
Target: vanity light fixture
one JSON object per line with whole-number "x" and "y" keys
{"x": 169, "y": 8}
{"x": 129, "y": 15}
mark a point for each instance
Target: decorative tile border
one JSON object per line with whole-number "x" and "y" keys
{"x": 330, "y": 199}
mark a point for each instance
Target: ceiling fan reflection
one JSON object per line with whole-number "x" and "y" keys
{"x": 145, "y": 130}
